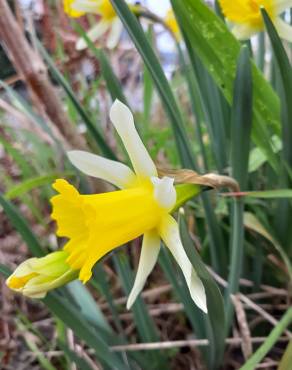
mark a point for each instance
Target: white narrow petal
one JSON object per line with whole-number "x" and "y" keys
{"x": 116, "y": 173}
{"x": 284, "y": 29}
{"x": 164, "y": 191}
{"x": 38, "y": 287}
{"x": 282, "y": 5}
{"x": 114, "y": 34}
{"x": 86, "y": 6}
{"x": 148, "y": 258}
{"x": 22, "y": 270}
{"x": 123, "y": 121}
{"x": 169, "y": 233}
{"x": 243, "y": 31}
{"x": 93, "y": 34}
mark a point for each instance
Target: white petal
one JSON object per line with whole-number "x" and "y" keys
{"x": 123, "y": 121}
{"x": 284, "y": 29}
{"x": 116, "y": 173}
{"x": 38, "y": 287}
{"x": 85, "y": 6}
{"x": 169, "y": 233}
{"x": 148, "y": 258}
{"x": 114, "y": 34}
{"x": 243, "y": 31}
{"x": 282, "y": 5}
{"x": 164, "y": 191}
{"x": 25, "y": 268}
{"x": 93, "y": 34}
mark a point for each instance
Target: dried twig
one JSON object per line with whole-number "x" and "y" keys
{"x": 155, "y": 311}
{"x": 267, "y": 365}
{"x": 183, "y": 343}
{"x": 263, "y": 313}
{"x": 150, "y": 293}
{"x": 243, "y": 326}
{"x": 250, "y": 303}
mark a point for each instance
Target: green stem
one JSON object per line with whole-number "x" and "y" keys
{"x": 237, "y": 242}
{"x": 269, "y": 342}
{"x": 196, "y": 104}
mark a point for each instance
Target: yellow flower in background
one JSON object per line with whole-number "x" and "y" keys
{"x": 247, "y": 19}
{"x": 109, "y": 21}
{"x": 97, "y": 224}
{"x": 36, "y": 276}
{"x": 70, "y": 10}
{"x": 171, "y": 23}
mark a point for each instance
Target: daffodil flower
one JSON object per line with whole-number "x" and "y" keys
{"x": 109, "y": 21}
{"x": 97, "y": 224}
{"x": 36, "y": 276}
{"x": 247, "y": 19}
{"x": 171, "y": 23}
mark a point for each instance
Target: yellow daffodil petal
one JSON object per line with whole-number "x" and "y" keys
{"x": 97, "y": 224}
{"x": 106, "y": 9}
{"x": 69, "y": 9}
{"x": 109, "y": 20}
{"x": 248, "y": 11}
{"x": 169, "y": 233}
{"x": 123, "y": 121}
{"x": 172, "y": 24}
{"x": 114, "y": 172}
{"x": 247, "y": 18}
{"x": 17, "y": 282}
{"x": 149, "y": 254}
{"x": 102, "y": 7}
{"x": 93, "y": 34}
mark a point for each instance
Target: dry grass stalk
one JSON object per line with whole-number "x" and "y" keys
{"x": 243, "y": 327}
{"x": 184, "y": 343}
{"x": 29, "y": 65}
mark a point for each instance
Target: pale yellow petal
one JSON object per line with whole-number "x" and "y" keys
{"x": 148, "y": 258}
{"x": 169, "y": 233}
{"x": 284, "y": 29}
{"x": 123, "y": 121}
{"x": 115, "y": 33}
{"x": 93, "y": 34}
{"x": 114, "y": 172}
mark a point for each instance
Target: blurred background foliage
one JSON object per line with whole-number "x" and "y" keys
{"x": 207, "y": 103}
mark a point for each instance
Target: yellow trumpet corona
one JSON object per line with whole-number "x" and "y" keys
{"x": 96, "y": 224}
{"x": 247, "y": 19}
